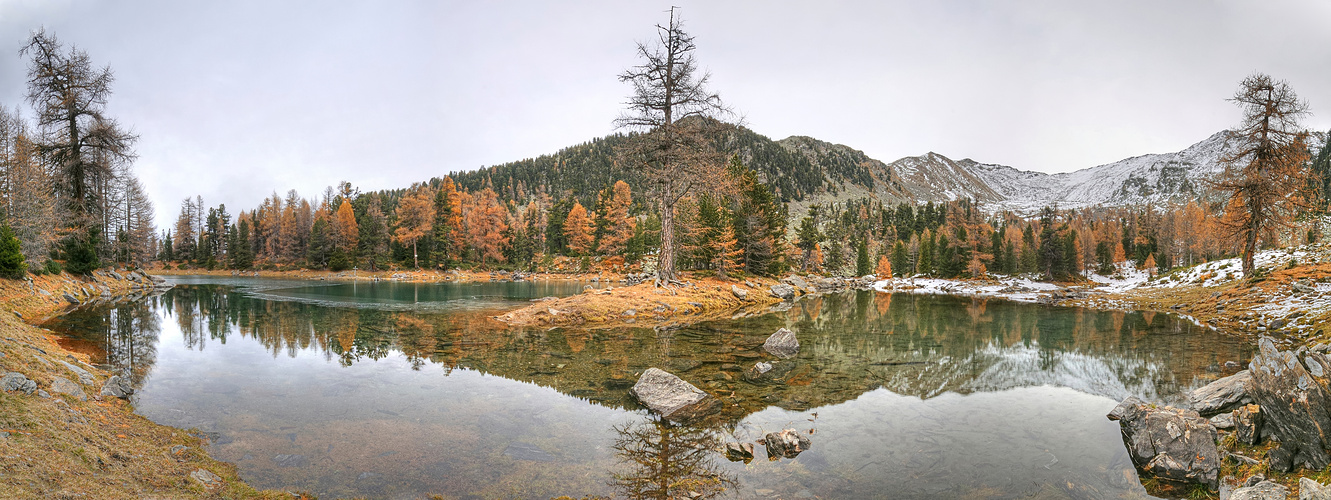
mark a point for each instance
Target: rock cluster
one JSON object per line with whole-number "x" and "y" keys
{"x": 1291, "y": 387}
{"x": 1168, "y": 442}
{"x": 788, "y": 443}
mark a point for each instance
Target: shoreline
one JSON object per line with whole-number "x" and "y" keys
{"x": 62, "y": 436}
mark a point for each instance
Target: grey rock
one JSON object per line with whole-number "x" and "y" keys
{"x": 1313, "y": 490}
{"x": 117, "y": 387}
{"x": 629, "y": 313}
{"x": 797, "y": 282}
{"x": 61, "y": 385}
{"x": 1302, "y": 288}
{"x": 769, "y": 373}
{"x": 1248, "y": 424}
{"x": 291, "y": 460}
{"x": 1168, "y": 442}
{"x": 1280, "y": 458}
{"x": 788, "y": 443}
{"x": 672, "y": 397}
{"x": 783, "y": 291}
{"x": 206, "y": 478}
{"x": 782, "y": 344}
{"x": 739, "y": 293}
{"x": 1223, "y": 421}
{"x": 43, "y": 292}
{"x": 1291, "y": 388}
{"x": 1221, "y": 396}
{"x": 1265, "y": 490}
{"x": 739, "y": 452}
{"x": 85, "y": 378}
{"x": 42, "y": 393}
{"x": 71, "y": 299}
{"x": 15, "y": 381}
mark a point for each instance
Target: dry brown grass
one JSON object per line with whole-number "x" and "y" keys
{"x": 701, "y": 298}
{"x": 64, "y": 447}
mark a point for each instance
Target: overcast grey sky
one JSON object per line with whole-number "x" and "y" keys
{"x": 234, "y": 100}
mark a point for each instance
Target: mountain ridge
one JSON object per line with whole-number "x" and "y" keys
{"x": 804, "y": 171}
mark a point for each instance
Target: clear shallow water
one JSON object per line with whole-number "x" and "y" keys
{"x": 404, "y": 390}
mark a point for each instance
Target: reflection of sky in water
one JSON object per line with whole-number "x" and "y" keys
{"x": 911, "y": 397}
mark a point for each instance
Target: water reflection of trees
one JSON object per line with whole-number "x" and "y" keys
{"x": 659, "y": 460}
{"x": 852, "y": 343}
{"x": 125, "y": 335}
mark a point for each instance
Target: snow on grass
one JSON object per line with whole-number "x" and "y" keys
{"x": 1013, "y": 288}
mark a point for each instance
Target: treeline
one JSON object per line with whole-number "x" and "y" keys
{"x": 68, "y": 191}
{"x": 793, "y": 168}
{"x": 958, "y": 239}
{"x": 737, "y": 228}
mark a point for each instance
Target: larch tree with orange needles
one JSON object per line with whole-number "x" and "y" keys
{"x": 578, "y": 229}
{"x": 487, "y": 225}
{"x": 620, "y": 225}
{"x": 415, "y": 218}
{"x": 1265, "y": 178}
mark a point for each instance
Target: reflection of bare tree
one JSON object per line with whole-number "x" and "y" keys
{"x": 664, "y": 461}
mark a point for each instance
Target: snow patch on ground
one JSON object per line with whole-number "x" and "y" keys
{"x": 1013, "y": 288}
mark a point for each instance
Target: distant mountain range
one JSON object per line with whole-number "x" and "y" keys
{"x": 805, "y": 171}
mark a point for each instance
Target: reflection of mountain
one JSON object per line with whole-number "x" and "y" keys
{"x": 1112, "y": 377}
{"x": 852, "y": 343}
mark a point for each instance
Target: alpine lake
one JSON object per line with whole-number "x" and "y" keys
{"x": 399, "y": 390}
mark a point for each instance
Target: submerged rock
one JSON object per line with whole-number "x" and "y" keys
{"x": 788, "y": 443}
{"x": 117, "y": 387}
{"x": 739, "y": 452}
{"x": 1168, "y": 442}
{"x": 524, "y": 451}
{"x": 291, "y": 460}
{"x": 769, "y": 373}
{"x": 671, "y": 396}
{"x": 782, "y": 344}
{"x": 1291, "y": 388}
{"x": 1223, "y": 395}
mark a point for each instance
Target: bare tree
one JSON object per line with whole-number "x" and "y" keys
{"x": 1266, "y": 176}
{"x": 83, "y": 146}
{"x": 29, "y": 204}
{"x": 673, "y": 107}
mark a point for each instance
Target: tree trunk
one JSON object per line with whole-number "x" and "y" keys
{"x": 665, "y": 266}
{"x": 415, "y": 261}
{"x": 1249, "y": 249}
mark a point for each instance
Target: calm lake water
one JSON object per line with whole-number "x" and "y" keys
{"x": 393, "y": 390}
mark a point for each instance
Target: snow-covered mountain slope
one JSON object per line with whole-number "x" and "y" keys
{"x": 1164, "y": 178}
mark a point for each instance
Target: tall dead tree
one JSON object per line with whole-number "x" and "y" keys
{"x": 1265, "y": 177}
{"x": 82, "y": 146}
{"x": 674, "y": 110}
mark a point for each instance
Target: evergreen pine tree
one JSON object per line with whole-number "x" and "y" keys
{"x": 900, "y": 262}
{"x": 862, "y": 265}
{"x": 12, "y": 263}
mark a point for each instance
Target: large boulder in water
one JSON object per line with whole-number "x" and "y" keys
{"x": 672, "y": 397}
{"x": 1168, "y": 442}
{"x": 1222, "y": 396}
{"x": 782, "y": 344}
{"x": 1291, "y": 388}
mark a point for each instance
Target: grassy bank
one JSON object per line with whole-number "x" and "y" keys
{"x": 65, "y": 440}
